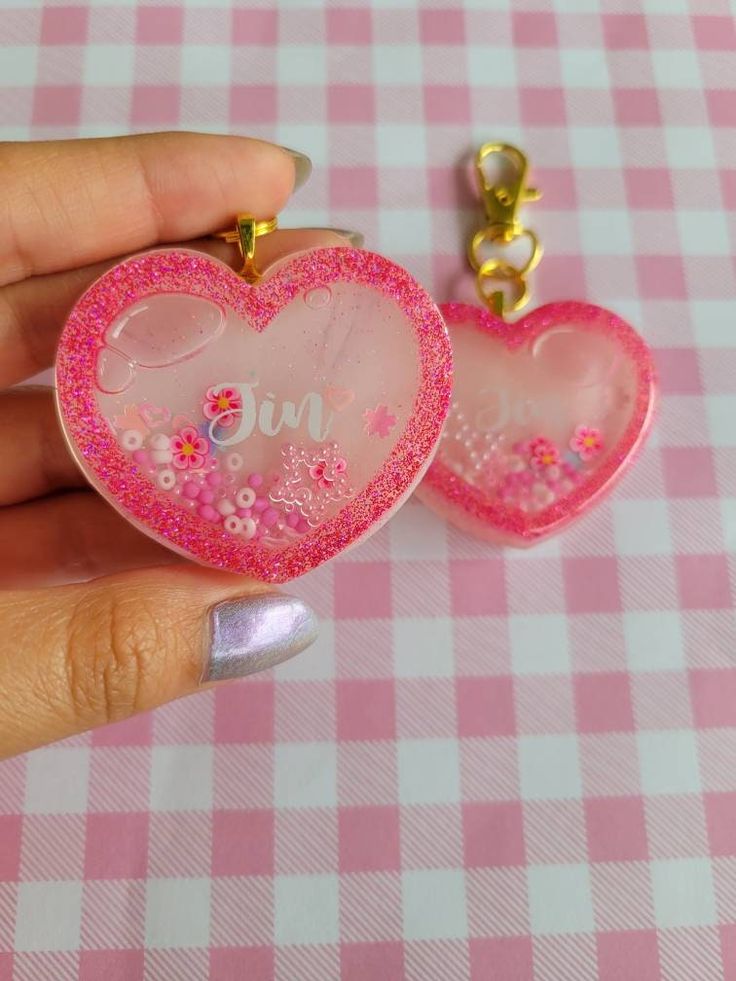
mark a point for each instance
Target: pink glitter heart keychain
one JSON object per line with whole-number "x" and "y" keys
{"x": 259, "y": 425}
{"x": 548, "y": 411}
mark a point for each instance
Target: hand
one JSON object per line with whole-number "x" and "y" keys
{"x": 97, "y": 621}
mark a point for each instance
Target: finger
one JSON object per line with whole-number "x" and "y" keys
{"x": 32, "y": 312}
{"x": 70, "y": 203}
{"x": 37, "y": 459}
{"x": 75, "y": 657}
{"x": 70, "y": 538}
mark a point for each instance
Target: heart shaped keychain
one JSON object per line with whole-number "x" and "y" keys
{"x": 257, "y": 426}
{"x": 547, "y": 411}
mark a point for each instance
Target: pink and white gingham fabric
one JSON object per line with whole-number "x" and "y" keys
{"x": 494, "y": 765}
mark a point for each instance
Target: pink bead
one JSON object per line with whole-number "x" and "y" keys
{"x": 269, "y": 517}
{"x": 191, "y": 490}
{"x": 141, "y": 458}
{"x": 260, "y": 505}
{"x": 208, "y": 513}
{"x": 255, "y": 480}
{"x": 244, "y": 513}
{"x": 206, "y": 496}
{"x": 302, "y": 526}
{"x": 214, "y": 479}
{"x": 292, "y": 519}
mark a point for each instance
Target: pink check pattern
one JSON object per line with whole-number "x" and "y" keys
{"x": 494, "y": 765}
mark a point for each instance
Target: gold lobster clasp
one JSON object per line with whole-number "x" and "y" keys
{"x": 504, "y": 190}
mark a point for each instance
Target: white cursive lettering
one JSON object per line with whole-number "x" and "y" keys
{"x": 499, "y": 407}
{"x": 253, "y": 416}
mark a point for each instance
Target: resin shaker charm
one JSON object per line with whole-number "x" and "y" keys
{"x": 547, "y": 411}
{"x": 259, "y": 425}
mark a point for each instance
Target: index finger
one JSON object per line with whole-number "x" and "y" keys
{"x": 70, "y": 203}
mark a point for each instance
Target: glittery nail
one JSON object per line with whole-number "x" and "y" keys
{"x": 255, "y": 633}
{"x": 302, "y": 166}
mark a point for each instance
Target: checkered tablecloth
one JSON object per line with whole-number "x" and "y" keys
{"x": 494, "y": 765}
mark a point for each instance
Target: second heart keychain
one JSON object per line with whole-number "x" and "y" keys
{"x": 548, "y": 410}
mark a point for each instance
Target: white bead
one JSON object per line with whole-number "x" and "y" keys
{"x": 161, "y": 456}
{"x": 166, "y": 479}
{"x": 515, "y": 464}
{"x": 543, "y": 494}
{"x": 233, "y": 524}
{"x": 160, "y": 441}
{"x": 246, "y": 497}
{"x": 249, "y": 527}
{"x": 131, "y": 440}
{"x": 225, "y": 507}
{"x": 234, "y": 461}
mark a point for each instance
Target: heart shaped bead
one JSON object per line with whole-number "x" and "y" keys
{"x": 547, "y": 413}
{"x": 258, "y": 428}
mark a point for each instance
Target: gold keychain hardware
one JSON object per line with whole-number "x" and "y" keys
{"x": 244, "y": 235}
{"x": 502, "y": 201}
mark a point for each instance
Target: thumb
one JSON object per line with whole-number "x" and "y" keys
{"x": 75, "y": 657}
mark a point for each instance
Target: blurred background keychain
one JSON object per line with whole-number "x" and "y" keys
{"x": 547, "y": 410}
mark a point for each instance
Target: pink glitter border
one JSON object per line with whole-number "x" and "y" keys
{"x": 442, "y": 488}
{"x": 184, "y": 271}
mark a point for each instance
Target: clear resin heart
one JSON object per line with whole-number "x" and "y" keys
{"x": 260, "y": 429}
{"x": 546, "y": 413}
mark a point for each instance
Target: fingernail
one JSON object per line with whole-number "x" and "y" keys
{"x": 256, "y": 632}
{"x": 302, "y": 166}
{"x": 356, "y": 239}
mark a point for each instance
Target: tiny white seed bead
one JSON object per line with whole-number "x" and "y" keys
{"x": 245, "y": 497}
{"x": 159, "y": 441}
{"x": 166, "y": 479}
{"x": 131, "y": 439}
{"x": 225, "y": 507}
{"x": 249, "y": 527}
{"x": 233, "y": 524}
{"x": 233, "y": 461}
{"x": 161, "y": 456}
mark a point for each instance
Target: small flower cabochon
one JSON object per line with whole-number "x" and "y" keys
{"x": 586, "y": 442}
{"x": 189, "y": 449}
